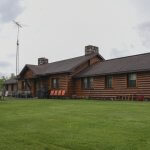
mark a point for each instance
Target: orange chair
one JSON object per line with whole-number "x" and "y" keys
{"x": 52, "y": 92}
{"x": 55, "y": 93}
{"x": 59, "y": 93}
{"x": 63, "y": 93}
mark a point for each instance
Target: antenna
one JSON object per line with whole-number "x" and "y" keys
{"x": 17, "y": 49}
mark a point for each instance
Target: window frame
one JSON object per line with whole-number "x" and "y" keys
{"x": 57, "y": 83}
{"x": 89, "y": 83}
{"x": 129, "y": 84}
{"x": 106, "y": 82}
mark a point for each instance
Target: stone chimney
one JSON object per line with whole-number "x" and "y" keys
{"x": 90, "y": 49}
{"x": 42, "y": 61}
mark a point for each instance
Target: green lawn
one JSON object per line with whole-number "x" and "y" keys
{"x": 74, "y": 125}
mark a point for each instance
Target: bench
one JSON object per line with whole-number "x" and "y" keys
{"x": 57, "y": 93}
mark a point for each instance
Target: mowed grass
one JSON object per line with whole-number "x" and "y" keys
{"x": 74, "y": 125}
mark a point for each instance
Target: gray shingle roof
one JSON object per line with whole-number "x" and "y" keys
{"x": 134, "y": 63}
{"x": 11, "y": 81}
{"x": 63, "y": 66}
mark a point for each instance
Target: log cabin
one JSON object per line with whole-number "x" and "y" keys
{"x": 89, "y": 76}
{"x": 44, "y": 77}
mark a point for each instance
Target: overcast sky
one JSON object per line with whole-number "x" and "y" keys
{"x": 60, "y": 29}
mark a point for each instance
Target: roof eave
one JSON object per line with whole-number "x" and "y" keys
{"x": 113, "y": 73}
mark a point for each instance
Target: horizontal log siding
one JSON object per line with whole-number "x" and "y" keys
{"x": 71, "y": 86}
{"x": 119, "y": 87}
{"x": 20, "y": 85}
{"x": 63, "y": 82}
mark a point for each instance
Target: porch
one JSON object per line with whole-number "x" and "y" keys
{"x": 34, "y": 87}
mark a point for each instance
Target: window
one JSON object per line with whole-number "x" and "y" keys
{"x": 108, "y": 81}
{"x": 23, "y": 85}
{"x": 55, "y": 83}
{"x": 87, "y": 83}
{"x": 132, "y": 80}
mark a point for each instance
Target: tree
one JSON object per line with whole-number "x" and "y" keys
{"x": 2, "y": 80}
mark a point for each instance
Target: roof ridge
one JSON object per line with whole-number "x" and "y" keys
{"x": 71, "y": 58}
{"x": 127, "y": 56}
{"x": 93, "y": 54}
{"x": 54, "y": 61}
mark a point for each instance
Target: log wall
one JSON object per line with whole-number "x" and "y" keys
{"x": 119, "y": 87}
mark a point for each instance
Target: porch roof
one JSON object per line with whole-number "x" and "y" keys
{"x": 11, "y": 81}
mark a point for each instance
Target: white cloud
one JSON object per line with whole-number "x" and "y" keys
{"x": 144, "y": 32}
{"x": 4, "y": 64}
{"x": 10, "y": 9}
{"x": 143, "y": 22}
{"x": 60, "y": 29}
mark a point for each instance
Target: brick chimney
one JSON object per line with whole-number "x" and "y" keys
{"x": 42, "y": 61}
{"x": 90, "y": 49}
